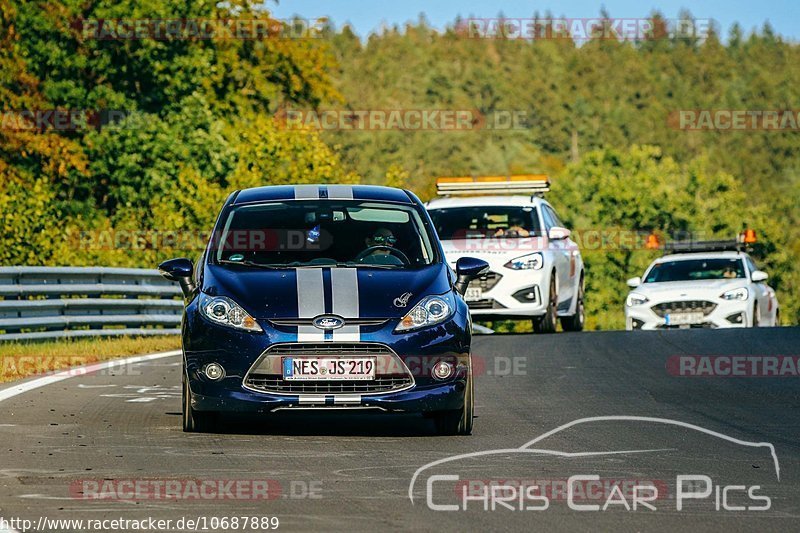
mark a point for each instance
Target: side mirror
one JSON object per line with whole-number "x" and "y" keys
{"x": 759, "y": 275}
{"x": 467, "y": 269}
{"x": 634, "y": 282}
{"x": 179, "y": 270}
{"x": 557, "y": 233}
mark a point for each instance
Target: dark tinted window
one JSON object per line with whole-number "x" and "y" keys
{"x": 696, "y": 269}
{"x": 485, "y": 221}
{"x": 319, "y": 233}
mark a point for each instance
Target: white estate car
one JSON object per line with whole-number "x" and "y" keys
{"x": 536, "y": 271}
{"x": 701, "y": 289}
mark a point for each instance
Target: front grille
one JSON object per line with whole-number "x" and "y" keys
{"x": 704, "y": 325}
{"x": 278, "y": 384}
{"x": 486, "y": 303}
{"x": 265, "y": 374}
{"x": 686, "y": 306}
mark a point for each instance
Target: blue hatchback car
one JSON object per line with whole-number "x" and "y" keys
{"x": 325, "y": 297}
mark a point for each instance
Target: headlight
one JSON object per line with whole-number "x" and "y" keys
{"x": 534, "y": 261}
{"x": 431, "y": 310}
{"x": 735, "y": 294}
{"x": 635, "y": 298}
{"x": 226, "y": 312}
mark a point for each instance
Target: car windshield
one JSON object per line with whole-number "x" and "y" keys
{"x": 455, "y": 223}
{"x": 325, "y": 233}
{"x": 696, "y": 269}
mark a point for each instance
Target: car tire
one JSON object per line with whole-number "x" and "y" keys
{"x": 460, "y": 421}
{"x": 756, "y": 319}
{"x": 576, "y": 321}
{"x": 547, "y": 322}
{"x": 193, "y": 421}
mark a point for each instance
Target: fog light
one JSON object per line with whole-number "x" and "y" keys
{"x": 442, "y": 370}
{"x": 737, "y": 318}
{"x": 214, "y": 371}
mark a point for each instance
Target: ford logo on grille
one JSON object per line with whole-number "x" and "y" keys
{"x": 328, "y": 322}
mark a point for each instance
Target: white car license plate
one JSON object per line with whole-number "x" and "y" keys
{"x": 329, "y": 368}
{"x": 677, "y": 319}
{"x": 473, "y": 294}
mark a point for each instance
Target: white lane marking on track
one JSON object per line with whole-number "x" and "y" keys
{"x": 16, "y": 390}
{"x": 82, "y": 386}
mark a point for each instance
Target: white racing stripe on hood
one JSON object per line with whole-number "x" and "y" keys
{"x": 310, "y": 302}
{"x": 344, "y": 291}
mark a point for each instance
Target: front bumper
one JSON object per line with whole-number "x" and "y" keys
{"x": 726, "y": 314}
{"x": 418, "y": 399}
{"x": 516, "y": 294}
{"x": 239, "y": 352}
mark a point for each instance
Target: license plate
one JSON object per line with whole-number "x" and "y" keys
{"x": 473, "y": 294}
{"x": 329, "y": 368}
{"x": 677, "y": 319}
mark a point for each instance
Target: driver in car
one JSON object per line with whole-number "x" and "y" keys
{"x": 515, "y": 229}
{"x": 380, "y": 245}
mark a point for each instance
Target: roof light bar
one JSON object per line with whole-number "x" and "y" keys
{"x": 743, "y": 241}
{"x": 521, "y": 183}
{"x": 732, "y": 245}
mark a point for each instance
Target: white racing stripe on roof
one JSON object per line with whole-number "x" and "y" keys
{"x": 340, "y": 192}
{"x": 306, "y": 192}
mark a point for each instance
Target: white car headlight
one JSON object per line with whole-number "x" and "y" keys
{"x": 534, "y": 261}
{"x": 735, "y": 294}
{"x": 225, "y": 312}
{"x": 429, "y": 311}
{"x": 635, "y": 298}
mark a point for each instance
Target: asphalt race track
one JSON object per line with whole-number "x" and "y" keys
{"x": 344, "y": 472}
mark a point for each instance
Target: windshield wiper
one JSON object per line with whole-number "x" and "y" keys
{"x": 252, "y": 264}
{"x": 351, "y": 264}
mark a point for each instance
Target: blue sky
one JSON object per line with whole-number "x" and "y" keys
{"x": 368, "y": 15}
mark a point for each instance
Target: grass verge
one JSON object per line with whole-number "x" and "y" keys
{"x": 18, "y": 360}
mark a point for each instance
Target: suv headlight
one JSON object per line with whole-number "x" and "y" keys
{"x": 225, "y": 312}
{"x": 534, "y": 261}
{"x": 735, "y": 294}
{"x": 635, "y": 298}
{"x": 429, "y": 311}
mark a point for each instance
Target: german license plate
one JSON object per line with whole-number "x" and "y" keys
{"x": 473, "y": 294}
{"x": 329, "y": 368}
{"x": 678, "y": 319}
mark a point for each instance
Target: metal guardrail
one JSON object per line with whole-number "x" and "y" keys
{"x": 61, "y": 302}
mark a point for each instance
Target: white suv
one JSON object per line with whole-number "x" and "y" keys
{"x": 536, "y": 271}
{"x": 701, "y": 289}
